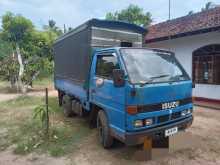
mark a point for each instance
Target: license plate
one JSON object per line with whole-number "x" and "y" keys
{"x": 171, "y": 131}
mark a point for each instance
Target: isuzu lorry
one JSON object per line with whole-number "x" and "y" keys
{"x": 127, "y": 91}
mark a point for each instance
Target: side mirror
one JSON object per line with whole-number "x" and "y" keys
{"x": 118, "y": 77}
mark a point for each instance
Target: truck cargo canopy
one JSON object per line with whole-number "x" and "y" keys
{"x": 73, "y": 50}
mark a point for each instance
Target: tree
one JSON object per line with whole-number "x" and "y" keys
{"x": 190, "y": 12}
{"x": 16, "y": 29}
{"x": 132, "y": 14}
{"x": 5, "y": 49}
{"x": 208, "y": 6}
{"x": 52, "y": 27}
{"x": 30, "y": 50}
{"x": 52, "y": 24}
{"x": 8, "y": 62}
{"x": 70, "y": 28}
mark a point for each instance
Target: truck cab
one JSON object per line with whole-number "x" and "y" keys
{"x": 140, "y": 93}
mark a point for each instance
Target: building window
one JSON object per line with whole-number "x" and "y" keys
{"x": 206, "y": 65}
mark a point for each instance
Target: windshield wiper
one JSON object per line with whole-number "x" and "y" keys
{"x": 151, "y": 79}
{"x": 177, "y": 77}
{"x": 160, "y": 76}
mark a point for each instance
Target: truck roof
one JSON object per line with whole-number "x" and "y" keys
{"x": 105, "y": 24}
{"x": 118, "y": 48}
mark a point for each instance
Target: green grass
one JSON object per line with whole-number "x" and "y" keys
{"x": 27, "y": 134}
{"x": 22, "y": 101}
{"x": 38, "y": 84}
{"x": 2, "y": 84}
{"x": 43, "y": 82}
{"x": 5, "y": 87}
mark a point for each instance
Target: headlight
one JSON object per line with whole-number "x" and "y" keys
{"x": 148, "y": 122}
{"x": 186, "y": 112}
{"x": 138, "y": 123}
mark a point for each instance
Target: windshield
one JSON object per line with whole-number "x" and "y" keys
{"x": 148, "y": 66}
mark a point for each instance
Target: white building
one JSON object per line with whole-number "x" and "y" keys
{"x": 195, "y": 39}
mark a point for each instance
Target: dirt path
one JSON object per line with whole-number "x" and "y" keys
{"x": 9, "y": 96}
{"x": 8, "y": 158}
{"x": 199, "y": 145}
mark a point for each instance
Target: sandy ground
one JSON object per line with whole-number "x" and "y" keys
{"x": 198, "y": 145}
{"x": 8, "y": 158}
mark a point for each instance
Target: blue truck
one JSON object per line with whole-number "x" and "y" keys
{"x": 128, "y": 92}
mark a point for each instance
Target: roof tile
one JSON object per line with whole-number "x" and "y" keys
{"x": 190, "y": 23}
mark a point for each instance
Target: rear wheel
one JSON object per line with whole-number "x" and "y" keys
{"x": 67, "y": 106}
{"x": 103, "y": 130}
{"x": 60, "y": 97}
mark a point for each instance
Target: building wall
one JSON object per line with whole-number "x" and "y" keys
{"x": 183, "y": 48}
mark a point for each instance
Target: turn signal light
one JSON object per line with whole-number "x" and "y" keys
{"x": 132, "y": 110}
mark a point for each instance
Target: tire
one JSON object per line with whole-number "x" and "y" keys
{"x": 60, "y": 97}
{"x": 105, "y": 137}
{"x": 67, "y": 106}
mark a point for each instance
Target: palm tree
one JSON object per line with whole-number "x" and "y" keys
{"x": 208, "y": 6}
{"x": 190, "y": 12}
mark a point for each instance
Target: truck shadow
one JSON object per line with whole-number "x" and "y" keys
{"x": 177, "y": 144}
{"x": 122, "y": 153}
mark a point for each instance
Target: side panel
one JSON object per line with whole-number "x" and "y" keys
{"x": 103, "y": 37}
{"x": 72, "y": 57}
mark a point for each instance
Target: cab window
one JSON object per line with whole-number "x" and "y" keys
{"x": 105, "y": 65}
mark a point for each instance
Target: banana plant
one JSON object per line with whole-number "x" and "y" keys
{"x": 42, "y": 112}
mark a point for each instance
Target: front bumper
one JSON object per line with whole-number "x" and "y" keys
{"x": 133, "y": 138}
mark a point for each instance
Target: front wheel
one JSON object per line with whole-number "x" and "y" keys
{"x": 103, "y": 130}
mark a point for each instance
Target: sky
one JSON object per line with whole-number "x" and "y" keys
{"x": 74, "y": 12}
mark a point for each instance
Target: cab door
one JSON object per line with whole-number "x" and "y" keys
{"x": 103, "y": 92}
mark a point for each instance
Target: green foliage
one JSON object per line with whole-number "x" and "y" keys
{"x": 40, "y": 112}
{"x": 35, "y": 48}
{"x": 27, "y": 135}
{"x": 53, "y": 28}
{"x": 9, "y": 64}
{"x": 21, "y": 101}
{"x": 15, "y": 27}
{"x": 132, "y": 14}
{"x": 190, "y": 12}
{"x": 5, "y": 49}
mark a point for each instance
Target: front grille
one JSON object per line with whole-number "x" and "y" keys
{"x": 158, "y": 107}
{"x": 163, "y": 118}
{"x": 176, "y": 115}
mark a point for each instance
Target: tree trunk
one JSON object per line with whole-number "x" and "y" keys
{"x": 13, "y": 76}
{"x": 22, "y": 87}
